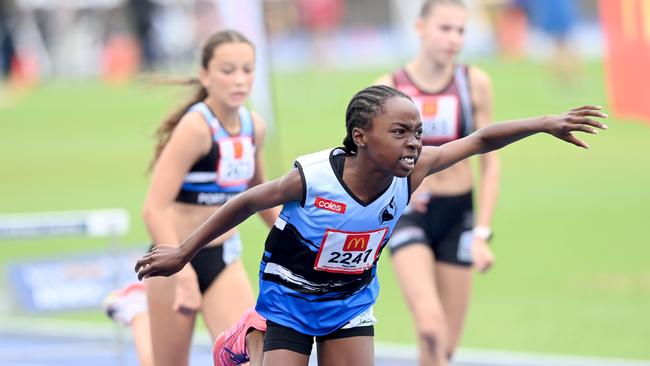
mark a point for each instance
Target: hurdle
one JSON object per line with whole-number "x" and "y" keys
{"x": 111, "y": 224}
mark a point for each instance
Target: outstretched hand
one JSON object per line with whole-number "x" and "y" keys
{"x": 160, "y": 261}
{"x": 577, "y": 119}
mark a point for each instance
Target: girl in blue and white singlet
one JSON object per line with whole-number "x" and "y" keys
{"x": 319, "y": 264}
{"x": 208, "y": 152}
{"x": 318, "y": 272}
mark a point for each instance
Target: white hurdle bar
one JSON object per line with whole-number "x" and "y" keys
{"x": 97, "y": 223}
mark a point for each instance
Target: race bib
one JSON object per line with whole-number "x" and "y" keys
{"x": 349, "y": 252}
{"x": 440, "y": 116}
{"x": 236, "y": 161}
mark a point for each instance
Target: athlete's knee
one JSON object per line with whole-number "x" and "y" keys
{"x": 429, "y": 319}
{"x": 433, "y": 339}
{"x": 431, "y": 327}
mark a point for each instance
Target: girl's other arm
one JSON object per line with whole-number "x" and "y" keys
{"x": 496, "y": 136}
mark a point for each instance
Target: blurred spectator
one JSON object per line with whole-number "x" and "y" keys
{"x": 321, "y": 18}
{"x": 281, "y": 17}
{"x": 7, "y": 47}
{"x": 141, "y": 14}
{"x": 208, "y": 19}
{"x": 320, "y": 15}
{"x": 556, "y": 19}
{"x": 510, "y": 24}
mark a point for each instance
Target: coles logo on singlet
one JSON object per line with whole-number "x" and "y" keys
{"x": 333, "y": 206}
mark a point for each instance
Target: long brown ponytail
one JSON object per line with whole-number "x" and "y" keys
{"x": 164, "y": 131}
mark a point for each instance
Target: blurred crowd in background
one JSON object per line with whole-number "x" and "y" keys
{"x": 116, "y": 39}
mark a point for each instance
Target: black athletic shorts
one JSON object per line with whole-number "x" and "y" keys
{"x": 446, "y": 227}
{"x": 280, "y": 337}
{"x": 210, "y": 261}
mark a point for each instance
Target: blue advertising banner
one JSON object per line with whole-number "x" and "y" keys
{"x": 71, "y": 283}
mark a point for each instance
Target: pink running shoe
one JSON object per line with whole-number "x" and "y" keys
{"x": 124, "y": 304}
{"x": 230, "y": 347}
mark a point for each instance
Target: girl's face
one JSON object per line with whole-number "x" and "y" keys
{"x": 394, "y": 139}
{"x": 442, "y": 32}
{"x": 230, "y": 73}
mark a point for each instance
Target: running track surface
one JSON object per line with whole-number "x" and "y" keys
{"x": 53, "y": 350}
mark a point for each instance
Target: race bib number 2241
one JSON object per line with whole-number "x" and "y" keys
{"x": 349, "y": 252}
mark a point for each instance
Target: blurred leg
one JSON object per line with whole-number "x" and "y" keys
{"x": 454, "y": 285}
{"x": 142, "y": 339}
{"x": 358, "y": 351}
{"x": 255, "y": 347}
{"x": 414, "y": 268}
{"x": 227, "y": 298}
{"x": 171, "y": 331}
{"x": 283, "y": 357}
{"x": 224, "y": 302}
{"x": 128, "y": 306}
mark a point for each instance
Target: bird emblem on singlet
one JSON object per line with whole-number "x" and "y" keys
{"x": 388, "y": 213}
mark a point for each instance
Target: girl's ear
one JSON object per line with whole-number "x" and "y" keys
{"x": 419, "y": 26}
{"x": 359, "y": 137}
{"x": 203, "y": 77}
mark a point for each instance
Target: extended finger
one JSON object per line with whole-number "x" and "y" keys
{"x": 588, "y": 121}
{"x": 584, "y": 128}
{"x": 152, "y": 272}
{"x": 591, "y": 113}
{"x": 576, "y": 141}
{"x": 587, "y": 107}
{"x": 143, "y": 262}
{"x": 147, "y": 270}
{"x": 141, "y": 273}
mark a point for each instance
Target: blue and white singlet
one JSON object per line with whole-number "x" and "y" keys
{"x": 319, "y": 266}
{"x": 229, "y": 166}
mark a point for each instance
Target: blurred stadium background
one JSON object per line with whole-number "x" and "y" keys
{"x": 79, "y": 104}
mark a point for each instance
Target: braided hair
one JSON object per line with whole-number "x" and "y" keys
{"x": 363, "y": 107}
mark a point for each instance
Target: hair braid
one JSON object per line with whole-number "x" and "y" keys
{"x": 363, "y": 107}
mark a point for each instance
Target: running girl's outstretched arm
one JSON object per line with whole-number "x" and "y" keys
{"x": 167, "y": 260}
{"x": 496, "y": 136}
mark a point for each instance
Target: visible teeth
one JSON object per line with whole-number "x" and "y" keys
{"x": 408, "y": 160}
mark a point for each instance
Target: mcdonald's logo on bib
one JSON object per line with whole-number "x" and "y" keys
{"x": 356, "y": 243}
{"x": 239, "y": 149}
{"x": 429, "y": 108}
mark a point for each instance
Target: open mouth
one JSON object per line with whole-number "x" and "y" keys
{"x": 410, "y": 161}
